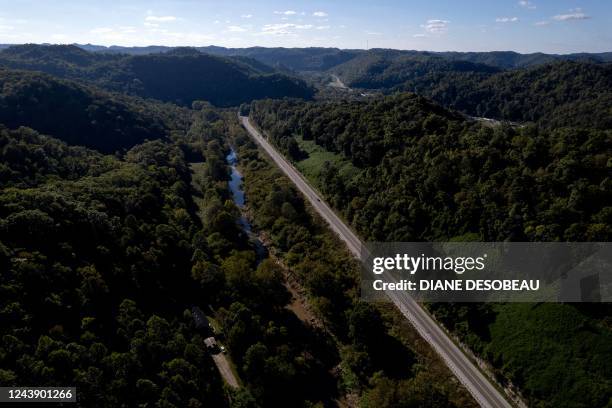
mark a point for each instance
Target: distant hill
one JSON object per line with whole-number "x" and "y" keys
{"x": 321, "y": 59}
{"x": 180, "y": 75}
{"x": 511, "y": 59}
{"x": 389, "y": 68}
{"x": 117, "y": 49}
{"x": 561, "y": 93}
{"x": 297, "y": 59}
{"x": 66, "y": 61}
{"x": 292, "y": 59}
{"x": 78, "y": 114}
{"x": 555, "y": 93}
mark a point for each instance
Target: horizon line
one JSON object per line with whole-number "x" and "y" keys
{"x": 80, "y": 45}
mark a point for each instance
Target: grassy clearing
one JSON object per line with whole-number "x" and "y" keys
{"x": 317, "y": 156}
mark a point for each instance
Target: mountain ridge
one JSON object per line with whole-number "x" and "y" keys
{"x": 181, "y": 76}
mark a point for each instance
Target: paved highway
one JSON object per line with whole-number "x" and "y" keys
{"x": 466, "y": 371}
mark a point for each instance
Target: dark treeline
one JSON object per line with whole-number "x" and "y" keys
{"x": 181, "y": 76}
{"x": 423, "y": 173}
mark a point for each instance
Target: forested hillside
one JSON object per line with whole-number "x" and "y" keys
{"x": 103, "y": 258}
{"x": 400, "y": 168}
{"x": 96, "y": 257}
{"x": 559, "y": 93}
{"x": 574, "y": 94}
{"x": 390, "y": 69}
{"x": 321, "y": 59}
{"x": 179, "y": 77}
{"x": 121, "y": 248}
{"x": 83, "y": 115}
{"x": 297, "y": 59}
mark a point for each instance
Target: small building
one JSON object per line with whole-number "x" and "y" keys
{"x": 211, "y": 343}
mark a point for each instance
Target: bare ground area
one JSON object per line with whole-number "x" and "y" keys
{"x": 225, "y": 369}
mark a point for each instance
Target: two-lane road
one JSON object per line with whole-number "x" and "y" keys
{"x": 466, "y": 371}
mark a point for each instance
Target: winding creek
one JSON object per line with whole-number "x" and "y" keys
{"x": 235, "y": 185}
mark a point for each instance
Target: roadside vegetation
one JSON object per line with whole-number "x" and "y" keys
{"x": 375, "y": 360}
{"x": 428, "y": 174}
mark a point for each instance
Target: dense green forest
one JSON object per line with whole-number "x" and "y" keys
{"x": 83, "y": 115}
{"x": 89, "y": 245}
{"x": 104, "y": 256}
{"x": 181, "y": 76}
{"x": 117, "y": 224}
{"x": 558, "y": 93}
{"x": 401, "y": 168}
{"x": 393, "y": 68}
{"x": 374, "y": 359}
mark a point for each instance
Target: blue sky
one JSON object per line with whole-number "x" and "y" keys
{"x": 559, "y": 26}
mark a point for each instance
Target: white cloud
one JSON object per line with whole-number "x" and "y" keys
{"x": 574, "y": 14}
{"x": 246, "y": 16}
{"x": 160, "y": 19}
{"x": 19, "y": 21}
{"x": 527, "y": 4}
{"x": 7, "y": 24}
{"x": 286, "y": 13}
{"x": 436, "y": 26}
{"x": 121, "y": 32}
{"x": 542, "y": 23}
{"x": 101, "y": 30}
{"x": 236, "y": 29}
{"x": 284, "y": 28}
{"x": 373, "y": 33}
{"x": 419, "y": 35}
{"x": 506, "y": 19}
{"x": 149, "y": 24}
{"x": 59, "y": 37}
{"x": 320, "y": 14}
{"x": 322, "y": 27}
{"x": 117, "y": 34}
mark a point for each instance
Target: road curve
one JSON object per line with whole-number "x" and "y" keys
{"x": 470, "y": 376}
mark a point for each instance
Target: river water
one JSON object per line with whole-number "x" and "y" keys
{"x": 235, "y": 185}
